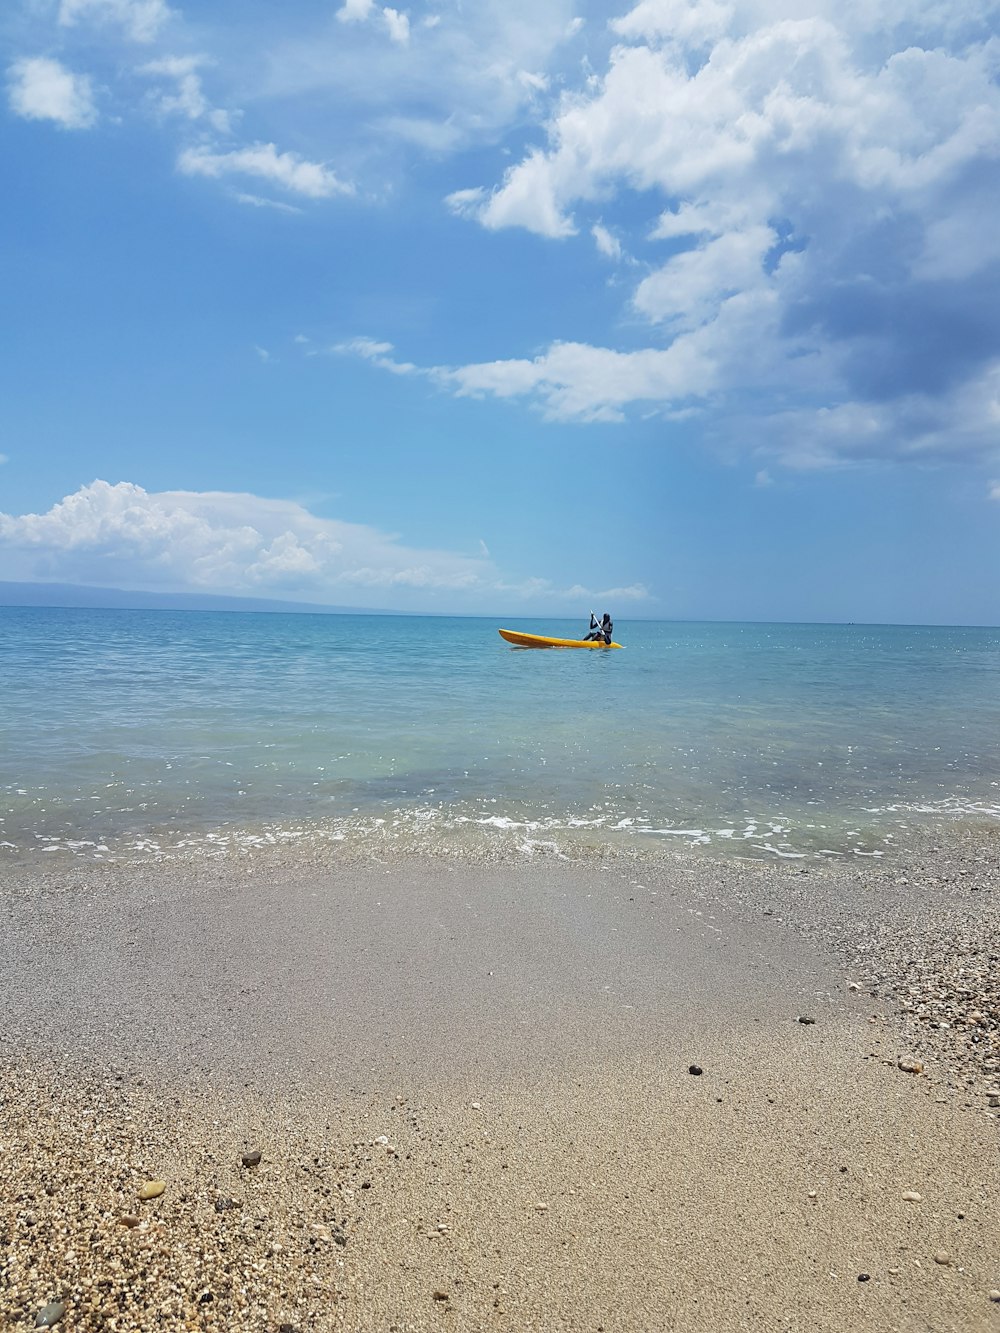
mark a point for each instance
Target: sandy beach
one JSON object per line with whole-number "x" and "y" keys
{"x": 538, "y": 1094}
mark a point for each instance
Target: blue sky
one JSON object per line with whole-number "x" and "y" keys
{"x": 685, "y": 307}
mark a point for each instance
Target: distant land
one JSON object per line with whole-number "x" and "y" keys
{"x": 72, "y": 595}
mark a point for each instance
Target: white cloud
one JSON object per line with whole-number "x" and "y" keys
{"x": 255, "y": 201}
{"x": 528, "y": 197}
{"x": 455, "y": 83}
{"x": 995, "y": 490}
{"x": 574, "y": 381}
{"x": 124, "y": 536}
{"x": 42, "y": 89}
{"x": 141, "y": 20}
{"x": 376, "y": 352}
{"x": 355, "y": 11}
{"x": 816, "y": 198}
{"x": 607, "y": 244}
{"x": 538, "y": 83}
{"x": 263, "y": 159}
{"x": 398, "y": 25}
{"x": 690, "y": 22}
{"x": 188, "y": 98}
{"x": 690, "y": 288}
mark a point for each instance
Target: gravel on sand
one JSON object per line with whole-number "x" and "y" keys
{"x": 421, "y": 1095}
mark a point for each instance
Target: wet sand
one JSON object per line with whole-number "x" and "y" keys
{"x": 470, "y": 1088}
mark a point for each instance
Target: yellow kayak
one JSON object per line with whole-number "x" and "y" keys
{"x": 520, "y": 640}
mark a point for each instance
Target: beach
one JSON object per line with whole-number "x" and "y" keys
{"x": 545, "y": 1092}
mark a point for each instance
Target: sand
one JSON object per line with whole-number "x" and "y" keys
{"x": 469, "y": 1085}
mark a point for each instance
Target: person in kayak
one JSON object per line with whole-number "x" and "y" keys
{"x": 602, "y": 630}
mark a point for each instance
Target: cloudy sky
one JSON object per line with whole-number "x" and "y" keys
{"x": 688, "y": 306}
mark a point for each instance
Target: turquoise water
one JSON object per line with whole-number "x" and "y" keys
{"x": 134, "y": 731}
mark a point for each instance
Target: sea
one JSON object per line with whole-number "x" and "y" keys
{"x": 134, "y": 734}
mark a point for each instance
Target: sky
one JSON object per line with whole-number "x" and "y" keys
{"x": 685, "y": 309}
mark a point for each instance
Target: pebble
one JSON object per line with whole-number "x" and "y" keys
{"x": 128, "y": 1220}
{"x": 50, "y": 1314}
{"x": 152, "y": 1189}
{"x": 804, "y": 1018}
{"x": 942, "y": 1257}
{"x": 910, "y": 1066}
{"x": 695, "y": 1069}
{"x": 252, "y": 1158}
{"x": 994, "y": 1295}
{"x": 911, "y": 1196}
{"x": 864, "y": 1277}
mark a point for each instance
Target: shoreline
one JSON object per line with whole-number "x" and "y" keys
{"x": 447, "y": 830}
{"x": 520, "y": 1036}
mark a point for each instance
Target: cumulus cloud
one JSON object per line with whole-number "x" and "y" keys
{"x": 42, "y": 89}
{"x": 355, "y": 11}
{"x": 398, "y": 25}
{"x": 141, "y": 20}
{"x": 288, "y": 170}
{"x": 813, "y": 200}
{"x": 124, "y": 536}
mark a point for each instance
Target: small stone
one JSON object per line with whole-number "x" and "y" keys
{"x": 695, "y": 1069}
{"x": 804, "y": 1018}
{"x": 152, "y": 1189}
{"x": 942, "y": 1257}
{"x": 50, "y": 1314}
{"x": 477, "y": 1106}
{"x": 994, "y": 1295}
{"x": 893, "y": 1272}
{"x": 910, "y": 1066}
{"x": 225, "y": 1205}
{"x": 911, "y": 1196}
{"x": 287, "y": 1328}
{"x": 854, "y": 987}
{"x": 251, "y": 1158}
{"x": 440, "y": 1295}
{"x": 864, "y": 1277}
{"x": 128, "y": 1220}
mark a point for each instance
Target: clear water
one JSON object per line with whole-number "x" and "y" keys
{"x": 125, "y": 731}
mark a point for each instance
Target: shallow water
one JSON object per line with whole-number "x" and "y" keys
{"x": 131, "y": 731}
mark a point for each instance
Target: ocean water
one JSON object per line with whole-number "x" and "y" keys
{"x": 134, "y": 733}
